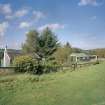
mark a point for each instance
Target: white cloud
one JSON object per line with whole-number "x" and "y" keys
{"x": 3, "y": 27}
{"x": 34, "y": 15}
{"x": 87, "y": 2}
{"x": 24, "y": 25}
{"x": 21, "y": 13}
{"x": 37, "y": 15}
{"x": 9, "y": 17}
{"x": 17, "y": 14}
{"x": 11, "y": 14}
{"x": 5, "y": 9}
{"x": 55, "y": 26}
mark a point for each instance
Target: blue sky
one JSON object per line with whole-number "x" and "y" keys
{"x": 80, "y": 22}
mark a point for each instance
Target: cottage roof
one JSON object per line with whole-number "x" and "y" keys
{"x": 79, "y": 54}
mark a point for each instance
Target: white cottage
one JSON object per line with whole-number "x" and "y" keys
{"x": 82, "y": 57}
{"x": 6, "y": 58}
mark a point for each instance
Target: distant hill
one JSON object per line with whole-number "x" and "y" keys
{"x": 99, "y": 51}
{"x": 11, "y": 50}
{"x": 78, "y": 50}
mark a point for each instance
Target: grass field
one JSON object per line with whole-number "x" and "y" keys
{"x": 85, "y": 86}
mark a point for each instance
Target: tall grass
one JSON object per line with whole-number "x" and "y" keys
{"x": 84, "y": 86}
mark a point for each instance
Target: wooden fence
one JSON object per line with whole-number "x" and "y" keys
{"x": 54, "y": 68}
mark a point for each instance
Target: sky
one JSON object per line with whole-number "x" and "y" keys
{"x": 79, "y": 22}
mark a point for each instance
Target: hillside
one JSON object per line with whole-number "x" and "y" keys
{"x": 85, "y": 86}
{"x": 11, "y": 50}
{"x": 100, "y": 52}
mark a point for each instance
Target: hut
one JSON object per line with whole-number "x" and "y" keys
{"x": 82, "y": 57}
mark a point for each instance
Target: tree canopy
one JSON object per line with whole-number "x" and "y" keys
{"x": 31, "y": 43}
{"x": 62, "y": 53}
{"x": 44, "y": 44}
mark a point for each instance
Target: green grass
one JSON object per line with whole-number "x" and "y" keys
{"x": 85, "y": 86}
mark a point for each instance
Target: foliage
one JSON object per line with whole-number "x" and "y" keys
{"x": 62, "y": 53}
{"x": 28, "y": 64}
{"x": 48, "y": 43}
{"x": 1, "y": 55}
{"x": 100, "y": 52}
{"x": 50, "y": 66}
{"x": 32, "y": 42}
{"x": 43, "y": 44}
{"x": 25, "y": 64}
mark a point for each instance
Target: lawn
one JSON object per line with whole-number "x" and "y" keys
{"x": 85, "y": 86}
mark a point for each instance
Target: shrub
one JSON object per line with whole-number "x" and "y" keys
{"x": 50, "y": 66}
{"x": 25, "y": 64}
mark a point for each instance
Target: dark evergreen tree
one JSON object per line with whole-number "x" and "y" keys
{"x": 44, "y": 44}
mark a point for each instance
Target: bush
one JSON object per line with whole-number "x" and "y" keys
{"x": 50, "y": 66}
{"x": 25, "y": 64}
